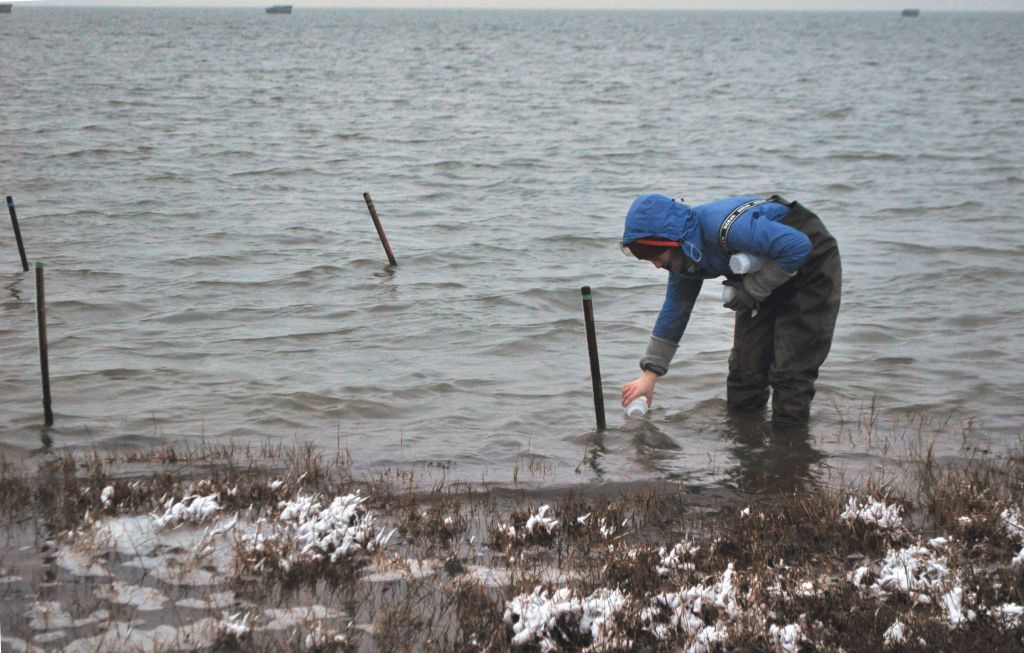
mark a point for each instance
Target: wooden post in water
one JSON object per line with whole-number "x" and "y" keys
{"x": 595, "y": 365}
{"x": 44, "y": 356}
{"x": 17, "y": 233}
{"x": 380, "y": 228}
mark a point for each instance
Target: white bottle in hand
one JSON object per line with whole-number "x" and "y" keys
{"x": 637, "y": 408}
{"x": 743, "y": 263}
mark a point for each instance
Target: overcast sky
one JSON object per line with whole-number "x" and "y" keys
{"x": 819, "y": 5}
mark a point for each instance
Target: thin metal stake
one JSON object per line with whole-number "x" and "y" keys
{"x": 44, "y": 357}
{"x": 595, "y": 365}
{"x": 380, "y": 228}
{"x": 17, "y": 233}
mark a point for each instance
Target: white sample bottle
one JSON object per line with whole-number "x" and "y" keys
{"x": 637, "y": 408}
{"x": 742, "y": 263}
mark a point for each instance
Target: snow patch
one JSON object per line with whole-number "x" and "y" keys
{"x": 895, "y": 634}
{"x": 874, "y": 512}
{"x": 786, "y": 638}
{"x": 190, "y": 510}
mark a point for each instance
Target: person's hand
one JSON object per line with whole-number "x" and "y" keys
{"x": 741, "y": 299}
{"x": 641, "y": 387}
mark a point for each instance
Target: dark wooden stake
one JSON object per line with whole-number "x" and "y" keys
{"x": 44, "y": 356}
{"x": 380, "y": 228}
{"x": 17, "y": 232}
{"x": 595, "y": 365}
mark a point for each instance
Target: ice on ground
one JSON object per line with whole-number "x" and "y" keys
{"x": 127, "y": 638}
{"x": 48, "y": 615}
{"x": 488, "y": 576}
{"x": 80, "y": 563}
{"x": 211, "y": 600}
{"x": 174, "y": 570}
{"x": 50, "y": 636}
{"x": 129, "y": 536}
{"x": 284, "y": 618}
{"x": 16, "y": 645}
{"x": 403, "y": 569}
{"x": 137, "y": 540}
{"x": 874, "y": 512}
{"x": 145, "y": 599}
{"x": 320, "y": 638}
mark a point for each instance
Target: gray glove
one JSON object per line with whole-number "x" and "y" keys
{"x": 658, "y": 356}
{"x": 741, "y": 299}
{"x": 760, "y": 283}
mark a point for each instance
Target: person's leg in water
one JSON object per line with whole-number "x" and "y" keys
{"x": 806, "y": 311}
{"x": 750, "y": 360}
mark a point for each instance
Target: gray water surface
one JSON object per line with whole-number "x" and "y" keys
{"x": 192, "y": 180}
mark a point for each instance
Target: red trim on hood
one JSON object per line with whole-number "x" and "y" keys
{"x": 656, "y": 242}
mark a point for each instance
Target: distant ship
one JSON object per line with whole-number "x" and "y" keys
{"x": 911, "y": 12}
{"x": 5, "y": 8}
{"x": 279, "y": 9}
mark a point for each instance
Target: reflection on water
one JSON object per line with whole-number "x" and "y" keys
{"x": 12, "y": 287}
{"x": 653, "y": 449}
{"x": 763, "y": 458}
{"x": 386, "y": 273}
{"x": 770, "y": 458}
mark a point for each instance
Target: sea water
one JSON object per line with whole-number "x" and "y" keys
{"x": 192, "y": 179}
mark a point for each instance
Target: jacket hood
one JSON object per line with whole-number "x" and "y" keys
{"x": 658, "y": 216}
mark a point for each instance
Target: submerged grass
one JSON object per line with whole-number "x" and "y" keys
{"x": 283, "y": 550}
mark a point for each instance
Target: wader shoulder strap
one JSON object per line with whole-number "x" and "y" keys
{"x": 723, "y": 231}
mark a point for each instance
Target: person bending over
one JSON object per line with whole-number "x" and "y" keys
{"x": 785, "y": 310}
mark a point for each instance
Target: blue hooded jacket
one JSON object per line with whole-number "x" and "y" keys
{"x": 757, "y": 231}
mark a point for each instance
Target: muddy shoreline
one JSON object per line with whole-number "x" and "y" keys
{"x": 286, "y": 550}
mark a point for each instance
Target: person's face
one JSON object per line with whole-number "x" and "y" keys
{"x": 671, "y": 259}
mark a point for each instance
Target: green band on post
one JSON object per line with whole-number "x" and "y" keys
{"x": 587, "y": 298}
{"x": 39, "y": 265}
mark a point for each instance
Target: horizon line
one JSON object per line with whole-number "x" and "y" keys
{"x": 263, "y": 5}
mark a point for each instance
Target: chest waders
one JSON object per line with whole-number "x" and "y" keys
{"x": 785, "y": 344}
